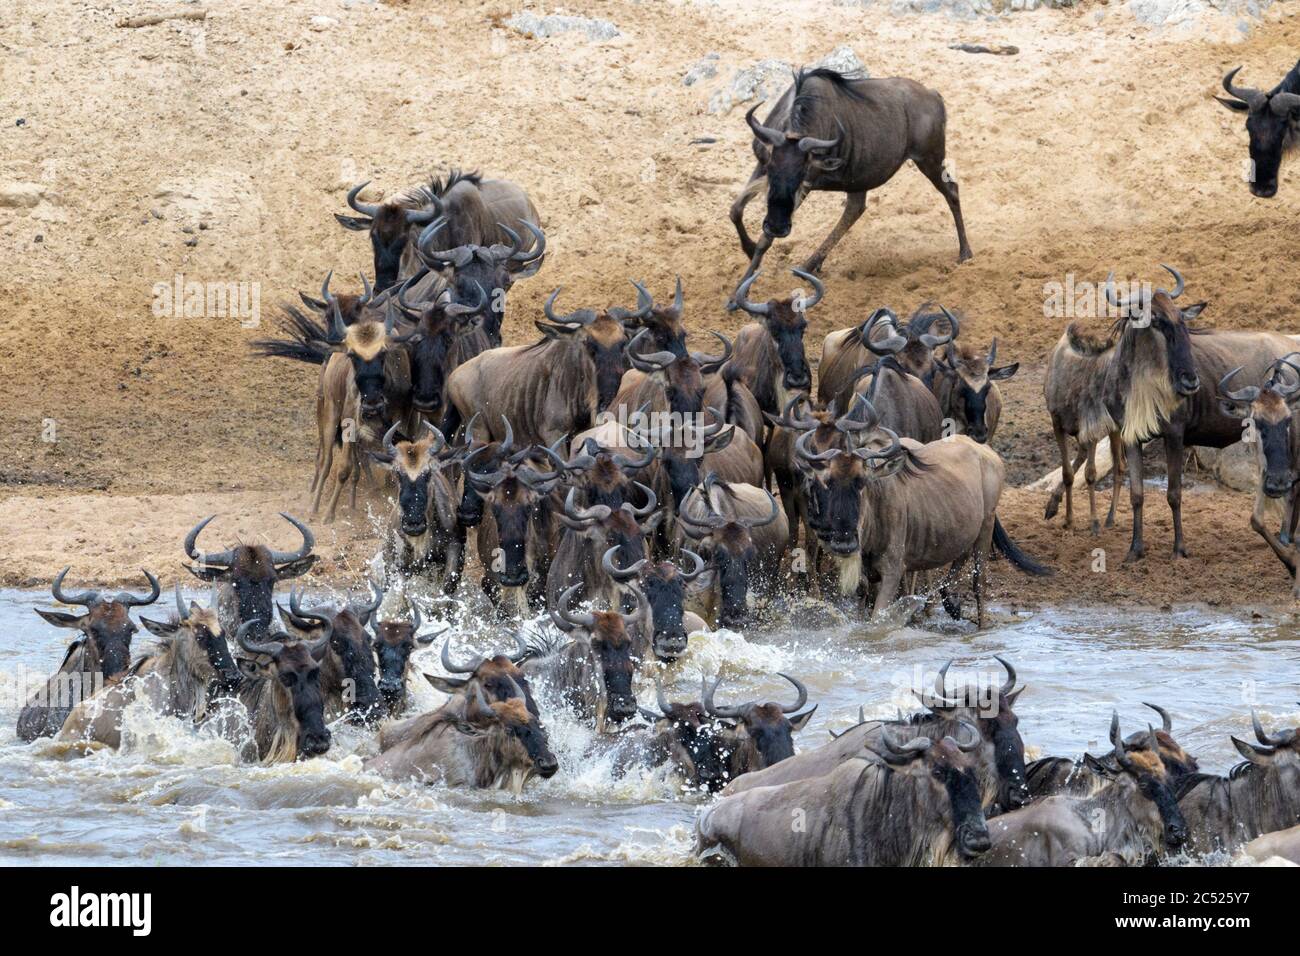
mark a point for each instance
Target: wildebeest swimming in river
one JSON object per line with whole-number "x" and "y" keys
{"x": 833, "y": 133}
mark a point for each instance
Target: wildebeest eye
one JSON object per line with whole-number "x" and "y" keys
{"x": 288, "y": 679}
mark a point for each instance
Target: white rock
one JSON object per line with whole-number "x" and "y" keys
{"x": 1236, "y": 467}
{"x": 530, "y": 24}
{"x": 768, "y": 79}
{"x": 21, "y": 195}
{"x": 323, "y": 23}
{"x": 705, "y": 68}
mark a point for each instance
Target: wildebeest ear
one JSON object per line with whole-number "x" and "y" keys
{"x": 382, "y": 457}
{"x": 799, "y": 721}
{"x": 250, "y": 668}
{"x": 1192, "y": 311}
{"x": 311, "y": 303}
{"x": 1252, "y": 753}
{"x": 1011, "y": 697}
{"x": 1235, "y": 105}
{"x": 295, "y": 568}
{"x": 208, "y": 572}
{"x": 721, "y": 440}
{"x": 652, "y": 522}
{"x": 1005, "y": 372}
{"x": 1234, "y": 409}
{"x": 355, "y": 223}
{"x": 161, "y": 628}
{"x": 448, "y": 685}
{"x": 61, "y": 619}
{"x": 1096, "y": 766}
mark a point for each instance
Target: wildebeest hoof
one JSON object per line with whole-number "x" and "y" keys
{"x": 963, "y": 256}
{"x": 1053, "y": 506}
{"x": 1134, "y": 554}
{"x": 1096, "y": 529}
{"x": 813, "y": 265}
{"x": 1180, "y": 552}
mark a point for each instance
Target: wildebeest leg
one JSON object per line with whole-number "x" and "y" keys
{"x": 1118, "y": 456}
{"x": 764, "y": 243}
{"x": 932, "y": 166}
{"x": 950, "y": 591}
{"x": 1090, "y": 476}
{"x": 1134, "y": 451}
{"x": 342, "y": 475}
{"x": 455, "y": 564}
{"x": 1067, "y": 477}
{"x": 1174, "y": 494}
{"x": 854, "y": 204}
{"x": 891, "y": 576}
{"x": 738, "y": 208}
{"x": 981, "y": 556}
{"x": 1285, "y": 553}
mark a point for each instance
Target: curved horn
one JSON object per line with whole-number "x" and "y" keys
{"x": 451, "y": 667}
{"x": 271, "y": 648}
{"x": 803, "y": 304}
{"x": 1247, "y": 394}
{"x": 800, "y": 689}
{"x": 699, "y": 562}
{"x": 127, "y": 599}
{"x": 1117, "y": 742}
{"x": 363, "y": 611}
{"x": 182, "y": 612}
{"x": 1273, "y": 740}
{"x": 642, "y": 608}
{"x": 891, "y": 343}
{"x": 808, "y": 144}
{"x": 1010, "y": 682}
{"x": 425, "y": 241}
{"x": 1166, "y": 722}
{"x": 801, "y": 449}
{"x": 215, "y": 557}
{"x": 1179, "y": 282}
{"x": 1249, "y": 95}
{"x": 976, "y": 740}
{"x": 714, "y": 360}
{"x": 787, "y": 417}
{"x": 715, "y": 711}
{"x": 651, "y": 502}
{"x": 390, "y": 448}
{"x": 365, "y": 208}
{"x": 565, "y": 618}
{"x": 934, "y": 341}
{"x": 742, "y": 300}
{"x": 765, "y": 520}
{"x": 624, "y": 574}
{"x": 308, "y": 542}
{"x": 914, "y": 746}
{"x": 1111, "y": 296}
{"x": 539, "y": 250}
{"x": 895, "y": 446}
{"x": 765, "y": 133}
{"x": 84, "y": 598}
{"x": 583, "y": 515}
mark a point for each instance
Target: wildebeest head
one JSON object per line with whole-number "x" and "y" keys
{"x": 692, "y": 740}
{"x": 499, "y": 676}
{"x": 602, "y": 337}
{"x": 1270, "y": 408}
{"x": 825, "y": 431}
{"x": 1178, "y": 762}
{"x": 1273, "y": 123}
{"x": 394, "y": 642}
{"x": 786, "y": 320}
{"x": 293, "y": 669}
{"x": 726, "y": 543}
{"x": 762, "y": 733}
{"x": 106, "y": 623}
{"x": 912, "y": 345}
{"x": 202, "y": 627}
{"x": 438, "y": 325}
{"x": 680, "y": 376}
{"x": 1278, "y": 753}
{"x": 683, "y": 446}
{"x": 790, "y": 159}
{"x": 1159, "y": 315}
{"x": 516, "y": 493}
{"x": 389, "y": 225}
{"x": 251, "y": 570}
{"x": 605, "y": 632}
{"x": 664, "y": 586}
{"x": 947, "y": 768}
{"x": 1148, "y": 772}
{"x": 492, "y": 268}
{"x": 998, "y": 725}
{"x": 350, "y": 659}
{"x": 603, "y": 477}
{"x": 520, "y": 745}
{"x": 836, "y": 479}
{"x": 414, "y": 464}
{"x": 366, "y": 343}
{"x": 973, "y": 375}
{"x": 623, "y": 529}
{"x": 663, "y": 322}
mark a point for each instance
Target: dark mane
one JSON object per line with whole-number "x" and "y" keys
{"x": 437, "y": 187}
{"x": 804, "y": 102}
{"x": 1085, "y": 343}
{"x": 1290, "y": 83}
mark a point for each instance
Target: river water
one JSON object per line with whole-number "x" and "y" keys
{"x": 174, "y": 796}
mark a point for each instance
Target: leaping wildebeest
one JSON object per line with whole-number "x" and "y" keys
{"x": 1273, "y": 122}
{"x": 834, "y": 133}
{"x": 1153, "y": 387}
{"x": 101, "y": 654}
{"x": 914, "y": 802}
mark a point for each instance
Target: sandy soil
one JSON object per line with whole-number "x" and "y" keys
{"x": 219, "y": 150}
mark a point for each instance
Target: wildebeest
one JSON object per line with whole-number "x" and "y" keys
{"x": 548, "y": 390}
{"x": 281, "y": 691}
{"x": 447, "y": 335}
{"x": 499, "y": 676}
{"x": 910, "y": 507}
{"x": 244, "y": 576}
{"x": 1049, "y": 776}
{"x": 472, "y": 205}
{"x": 423, "y": 536}
{"x": 683, "y": 737}
{"x": 967, "y": 389}
{"x": 769, "y": 353}
{"x": 184, "y": 677}
{"x": 1258, "y": 796}
{"x": 348, "y": 676}
{"x": 1153, "y": 387}
{"x": 590, "y": 670}
{"x": 1273, "y": 122}
{"x": 1074, "y": 392}
{"x": 1129, "y": 821}
{"x": 759, "y": 735}
{"x": 588, "y": 535}
{"x": 468, "y": 742}
{"x": 911, "y": 346}
{"x": 493, "y": 268}
{"x": 1000, "y": 761}
{"x": 833, "y": 133}
{"x": 742, "y": 535}
{"x": 909, "y": 803}
{"x": 1270, "y": 409}
{"x": 101, "y": 654}
{"x": 664, "y": 631}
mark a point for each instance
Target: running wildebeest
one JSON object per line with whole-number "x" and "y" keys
{"x": 769, "y": 352}
{"x": 101, "y": 654}
{"x": 909, "y": 803}
{"x": 759, "y": 735}
{"x": 281, "y": 690}
{"x": 967, "y": 389}
{"x": 1273, "y": 122}
{"x": 348, "y": 675}
{"x": 834, "y": 133}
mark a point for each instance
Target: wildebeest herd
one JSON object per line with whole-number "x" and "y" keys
{"x": 638, "y": 491}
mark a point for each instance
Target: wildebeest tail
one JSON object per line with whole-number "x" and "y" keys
{"x": 1002, "y": 541}
{"x": 305, "y": 339}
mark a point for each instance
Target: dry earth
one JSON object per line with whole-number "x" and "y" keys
{"x": 219, "y": 149}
